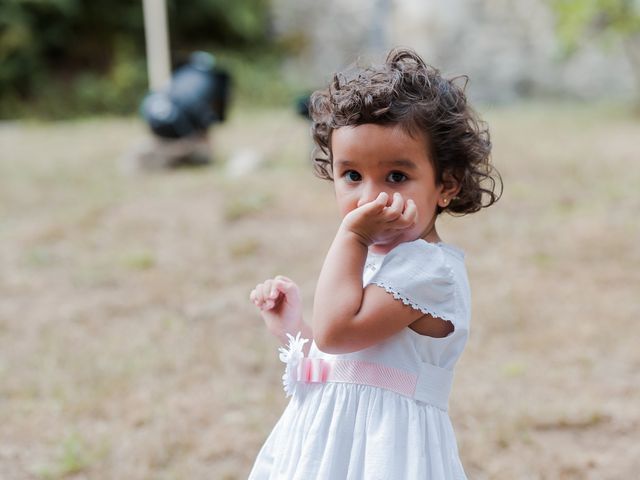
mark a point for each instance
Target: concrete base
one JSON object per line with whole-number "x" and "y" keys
{"x": 156, "y": 153}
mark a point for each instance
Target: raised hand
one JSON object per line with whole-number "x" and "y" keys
{"x": 381, "y": 220}
{"x": 280, "y": 305}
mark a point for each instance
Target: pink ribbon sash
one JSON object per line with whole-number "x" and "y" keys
{"x": 431, "y": 385}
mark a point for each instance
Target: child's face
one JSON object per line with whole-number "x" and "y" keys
{"x": 369, "y": 159}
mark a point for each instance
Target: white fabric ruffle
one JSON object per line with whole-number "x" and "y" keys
{"x": 368, "y": 433}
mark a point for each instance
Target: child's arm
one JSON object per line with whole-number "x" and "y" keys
{"x": 346, "y": 316}
{"x": 280, "y": 306}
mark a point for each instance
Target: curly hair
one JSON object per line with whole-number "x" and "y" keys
{"x": 405, "y": 91}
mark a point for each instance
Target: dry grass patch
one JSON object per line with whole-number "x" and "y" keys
{"x": 129, "y": 349}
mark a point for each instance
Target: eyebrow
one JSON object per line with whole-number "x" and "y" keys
{"x": 401, "y": 163}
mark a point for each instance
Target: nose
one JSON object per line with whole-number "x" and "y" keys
{"x": 369, "y": 192}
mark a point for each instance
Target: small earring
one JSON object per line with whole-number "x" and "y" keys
{"x": 445, "y": 200}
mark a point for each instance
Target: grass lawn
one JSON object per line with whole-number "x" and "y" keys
{"x": 129, "y": 350}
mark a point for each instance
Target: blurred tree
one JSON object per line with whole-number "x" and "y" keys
{"x": 578, "y": 20}
{"x": 91, "y": 52}
{"x": 61, "y": 36}
{"x": 224, "y": 22}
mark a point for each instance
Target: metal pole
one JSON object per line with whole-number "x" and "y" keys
{"x": 157, "y": 39}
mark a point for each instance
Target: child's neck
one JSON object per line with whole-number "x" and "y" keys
{"x": 431, "y": 236}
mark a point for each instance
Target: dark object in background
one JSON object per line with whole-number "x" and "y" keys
{"x": 196, "y": 98}
{"x": 302, "y": 105}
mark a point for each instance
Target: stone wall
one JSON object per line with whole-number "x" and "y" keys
{"x": 509, "y": 49}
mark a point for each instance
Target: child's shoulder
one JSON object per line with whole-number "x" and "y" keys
{"x": 427, "y": 276}
{"x": 422, "y": 250}
{"x": 420, "y": 261}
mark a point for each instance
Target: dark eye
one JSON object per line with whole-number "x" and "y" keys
{"x": 352, "y": 176}
{"x": 396, "y": 177}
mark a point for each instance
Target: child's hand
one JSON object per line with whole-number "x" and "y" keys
{"x": 380, "y": 221}
{"x": 280, "y": 305}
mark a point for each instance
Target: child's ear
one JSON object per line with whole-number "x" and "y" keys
{"x": 450, "y": 188}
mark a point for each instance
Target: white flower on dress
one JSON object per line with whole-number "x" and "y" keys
{"x": 291, "y": 356}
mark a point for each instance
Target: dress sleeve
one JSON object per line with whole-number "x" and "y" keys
{"x": 418, "y": 274}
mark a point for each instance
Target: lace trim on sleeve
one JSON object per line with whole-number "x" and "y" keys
{"x": 422, "y": 308}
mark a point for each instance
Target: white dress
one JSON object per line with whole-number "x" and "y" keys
{"x": 337, "y": 431}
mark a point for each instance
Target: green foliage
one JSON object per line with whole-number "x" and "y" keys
{"x": 577, "y": 19}
{"x": 225, "y": 22}
{"x": 61, "y": 58}
{"x": 74, "y": 457}
{"x": 257, "y": 78}
{"x": 141, "y": 259}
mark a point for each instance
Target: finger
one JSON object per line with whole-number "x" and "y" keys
{"x": 282, "y": 286}
{"x": 282, "y": 277}
{"x": 255, "y": 297}
{"x": 261, "y": 294}
{"x": 258, "y": 291}
{"x": 378, "y": 204}
{"x": 285, "y": 287}
{"x": 367, "y": 210}
{"x": 394, "y": 211}
{"x": 267, "y": 288}
{"x": 268, "y": 305}
{"x": 381, "y": 199}
{"x": 276, "y": 290}
{"x": 271, "y": 294}
{"x": 410, "y": 214}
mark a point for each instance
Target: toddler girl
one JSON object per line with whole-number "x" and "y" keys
{"x": 370, "y": 376}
